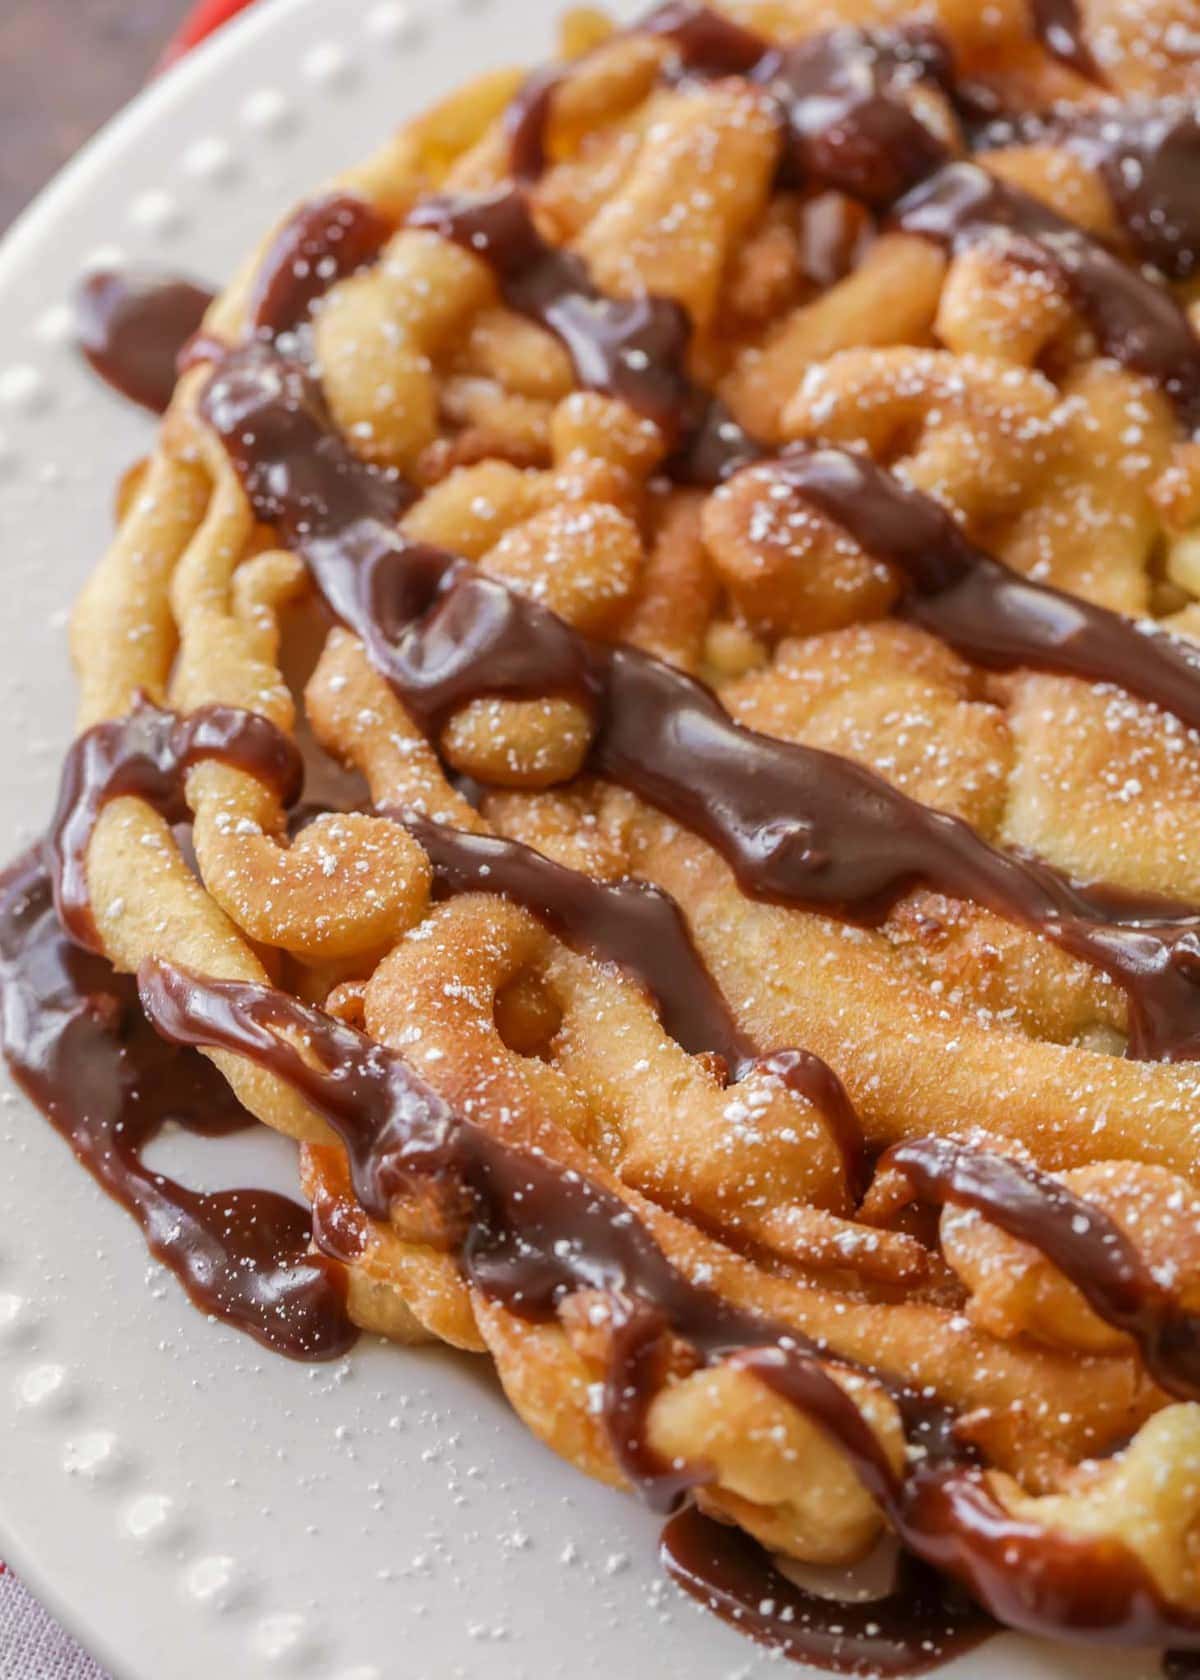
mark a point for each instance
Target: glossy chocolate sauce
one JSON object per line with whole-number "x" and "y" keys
{"x": 1135, "y": 320}
{"x": 1148, "y": 152}
{"x": 840, "y": 97}
{"x": 1058, "y": 25}
{"x": 797, "y": 825}
{"x": 526, "y": 121}
{"x": 978, "y": 605}
{"x": 920, "y": 1624}
{"x": 839, "y": 94}
{"x": 846, "y": 122}
{"x": 706, "y": 41}
{"x": 1074, "y": 1235}
{"x": 325, "y": 241}
{"x": 78, "y": 1043}
{"x": 641, "y": 928}
{"x": 628, "y": 922}
{"x": 631, "y": 348}
{"x": 531, "y": 1231}
{"x": 132, "y": 324}
{"x": 147, "y": 755}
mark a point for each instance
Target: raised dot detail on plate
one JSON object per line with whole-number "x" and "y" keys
{"x": 211, "y": 159}
{"x": 391, "y": 22}
{"x": 101, "y": 257}
{"x": 95, "y": 1457}
{"x": 267, "y": 112}
{"x": 285, "y": 1639}
{"x": 216, "y": 1582}
{"x": 22, "y": 389}
{"x": 151, "y": 1518}
{"x": 45, "y": 1388}
{"x": 56, "y": 325}
{"x": 15, "y": 1315}
{"x": 328, "y": 65}
{"x": 156, "y": 212}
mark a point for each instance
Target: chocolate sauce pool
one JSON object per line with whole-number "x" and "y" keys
{"x": 78, "y": 1043}
{"x": 131, "y": 325}
{"x": 920, "y": 1624}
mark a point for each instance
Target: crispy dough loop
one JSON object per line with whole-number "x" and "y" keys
{"x": 976, "y": 434}
{"x": 1014, "y": 1291}
{"x": 654, "y": 1116}
{"x": 699, "y": 183}
{"x": 1146, "y": 1499}
{"x": 347, "y": 884}
{"x": 122, "y": 634}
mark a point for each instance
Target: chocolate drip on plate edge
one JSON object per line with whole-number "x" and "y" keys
{"x": 78, "y": 1043}
{"x": 131, "y": 325}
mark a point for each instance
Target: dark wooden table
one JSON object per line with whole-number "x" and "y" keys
{"x": 66, "y": 65}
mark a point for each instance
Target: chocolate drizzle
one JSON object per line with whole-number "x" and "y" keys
{"x": 918, "y": 1626}
{"x": 1135, "y": 320}
{"x": 707, "y": 42}
{"x": 131, "y": 326}
{"x": 634, "y": 349}
{"x": 628, "y": 922}
{"x": 639, "y": 927}
{"x": 79, "y": 1045}
{"x": 147, "y": 755}
{"x": 839, "y": 95}
{"x": 846, "y": 122}
{"x": 981, "y": 607}
{"x": 531, "y": 1231}
{"x": 1148, "y": 152}
{"x": 325, "y": 241}
{"x": 796, "y": 824}
{"x": 1074, "y": 1235}
{"x": 1058, "y": 25}
{"x": 526, "y": 121}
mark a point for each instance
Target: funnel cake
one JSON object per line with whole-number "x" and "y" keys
{"x": 723, "y": 513}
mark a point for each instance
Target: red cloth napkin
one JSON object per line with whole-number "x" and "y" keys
{"x": 207, "y": 16}
{"x": 32, "y": 1645}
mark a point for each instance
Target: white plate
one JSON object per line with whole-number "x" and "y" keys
{"x": 192, "y": 1507}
